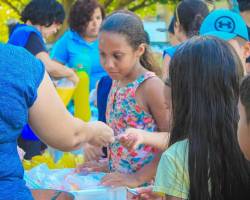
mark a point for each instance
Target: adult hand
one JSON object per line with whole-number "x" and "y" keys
{"x": 73, "y": 76}
{"x": 92, "y": 152}
{"x": 102, "y": 134}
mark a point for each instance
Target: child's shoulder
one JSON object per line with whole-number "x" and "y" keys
{"x": 177, "y": 150}
{"x": 152, "y": 84}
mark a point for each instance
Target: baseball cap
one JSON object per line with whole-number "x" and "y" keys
{"x": 224, "y": 24}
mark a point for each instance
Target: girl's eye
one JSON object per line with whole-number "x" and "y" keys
{"x": 102, "y": 54}
{"x": 117, "y": 56}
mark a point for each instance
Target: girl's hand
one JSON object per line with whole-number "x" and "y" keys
{"x": 118, "y": 179}
{"x": 102, "y": 134}
{"x": 92, "y": 152}
{"x": 93, "y": 166}
{"x": 132, "y": 138}
{"x": 145, "y": 193}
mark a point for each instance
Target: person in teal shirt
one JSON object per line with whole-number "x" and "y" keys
{"x": 78, "y": 47}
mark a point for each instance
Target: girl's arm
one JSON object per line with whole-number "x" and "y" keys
{"x": 155, "y": 98}
{"x": 165, "y": 67}
{"x": 134, "y": 137}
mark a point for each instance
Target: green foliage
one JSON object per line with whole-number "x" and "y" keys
{"x": 11, "y": 9}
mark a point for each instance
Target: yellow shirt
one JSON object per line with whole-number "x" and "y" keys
{"x": 172, "y": 176}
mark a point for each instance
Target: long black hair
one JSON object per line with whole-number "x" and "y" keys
{"x": 131, "y": 27}
{"x": 190, "y": 14}
{"x": 205, "y": 92}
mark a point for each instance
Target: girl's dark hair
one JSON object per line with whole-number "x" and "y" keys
{"x": 171, "y": 26}
{"x": 205, "y": 91}
{"x": 81, "y": 13}
{"x": 190, "y": 14}
{"x": 43, "y": 12}
{"x": 245, "y": 95}
{"x": 244, "y": 5}
{"x": 131, "y": 27}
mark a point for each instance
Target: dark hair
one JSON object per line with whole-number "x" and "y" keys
{"x": 245, "y": 95}
{"x": 244, "y": 5}
{"x": 190, "y": 14}
{"x": 81, "y": 13}
{"x": 43, "y": 12}
{"x": 171, "y": 26}
{"x": 131, "y": 27}
{"x": 205, "y": 91}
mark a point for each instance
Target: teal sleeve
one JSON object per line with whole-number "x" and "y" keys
{"x": 59, "y": 51}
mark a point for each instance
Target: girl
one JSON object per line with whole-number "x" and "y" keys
{"x": 135, "y": 100}
{"x": 204, "y": 160}
{"x": 188, "y": 17}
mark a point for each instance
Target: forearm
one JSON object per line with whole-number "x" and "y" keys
{"x": 148, "y": 172}
{"x": 58, "y": 70}
{"x": 55, "y": 69}
{"x": 158, "y": 140}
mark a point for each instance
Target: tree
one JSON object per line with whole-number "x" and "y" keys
{"x": 10, "y": 9}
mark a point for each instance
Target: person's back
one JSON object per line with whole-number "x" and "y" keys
{"x": 18, "y": 85}
{"x": 204, "y": 103}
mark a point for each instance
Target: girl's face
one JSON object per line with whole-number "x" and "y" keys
{"x": 94, "y": 24}
{"x": 243, "y": 131}
{"x": 118, "y": 58}
{"x": 48, "y": 31}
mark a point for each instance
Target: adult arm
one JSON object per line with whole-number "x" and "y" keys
{"x": 56, "y": 69}
{"x": 57, "y": 127}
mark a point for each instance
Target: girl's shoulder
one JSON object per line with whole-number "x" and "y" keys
{"x": 178, "y": 150}
{"x": 149, "y": 80}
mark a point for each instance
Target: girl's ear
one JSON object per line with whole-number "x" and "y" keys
{"x": 246, "y": 50}
{"x": 140, "y": 50}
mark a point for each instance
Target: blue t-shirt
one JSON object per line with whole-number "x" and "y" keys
{"x": 20, "y": 37}
{"x": 21, "y": 33}
{"x": 72, "y": 50}
{"x": 21, "y": 75}
{"x": 170, "y": 51}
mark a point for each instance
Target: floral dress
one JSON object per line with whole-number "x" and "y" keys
{"x": 124, "y": 112}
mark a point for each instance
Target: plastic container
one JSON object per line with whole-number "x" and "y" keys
{"x": 51, "y": 195}
{"x": 65, "y": 90}
{"x": 101, "y": 193}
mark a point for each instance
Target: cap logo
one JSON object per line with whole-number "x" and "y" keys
{"x": 225, "y": 24}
